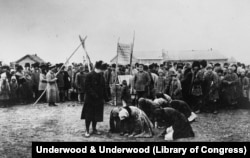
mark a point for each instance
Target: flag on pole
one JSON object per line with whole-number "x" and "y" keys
{"x": 123, "y": 53}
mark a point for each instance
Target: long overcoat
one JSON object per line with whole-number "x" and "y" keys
{"x": 94, "y": 97}
{"x": 52, "y": 89}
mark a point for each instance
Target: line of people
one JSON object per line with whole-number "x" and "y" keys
{"x": 25, "y": 85}
{"x": 206, "y": 87}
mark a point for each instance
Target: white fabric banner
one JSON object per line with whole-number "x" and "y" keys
{"x": 124, "y": 53}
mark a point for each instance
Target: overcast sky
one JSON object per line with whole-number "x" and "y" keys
{"x": 50, "y": 28}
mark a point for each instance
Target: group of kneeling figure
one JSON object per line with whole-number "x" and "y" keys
{"x": 174, "y": 116}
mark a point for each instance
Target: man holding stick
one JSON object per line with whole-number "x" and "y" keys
{"x": 52, "y": 89}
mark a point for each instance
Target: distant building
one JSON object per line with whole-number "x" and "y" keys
{"x": 232, "y": 60}
{"x": 149, "y": 57}
{"x": 28, "y": 59}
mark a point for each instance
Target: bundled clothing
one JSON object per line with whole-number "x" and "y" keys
{"x": 139, "y": 124}
{"x": 148, "y": 106}
{"x": 177, "y": 125}
{"x": 184, "y": 108}
{"x": 178, "y": 105}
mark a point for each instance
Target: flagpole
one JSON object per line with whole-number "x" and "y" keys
{"x": 59, "y": 71}
{"x": 131, "y": 55}
{"x": 116, "y": 70}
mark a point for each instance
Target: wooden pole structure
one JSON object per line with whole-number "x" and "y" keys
{"x": 83, "y": 45}
{"x": 131, "y": 55}
{"x": 116, "y": 70}
{"x": 60, "y": 70}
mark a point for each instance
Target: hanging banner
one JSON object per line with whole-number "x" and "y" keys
{"x": 124, "y": 53}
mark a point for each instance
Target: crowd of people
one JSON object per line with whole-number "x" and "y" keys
{"x": 206, "y": 87}
{"x": 24, "y": 85}
{"x": 172, "y": 92}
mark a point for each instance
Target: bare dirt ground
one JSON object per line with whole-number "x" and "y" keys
{"x": 20, "y": 125}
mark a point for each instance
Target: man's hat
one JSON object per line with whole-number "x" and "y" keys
{"x": 179, "y": 66}
{"x": 5, "y": 67}
{"x": 196, "y": 64}
{"x": 203, "y": 63}
{"x": 42, "y": 65}
{"x": 27, "y": 65}
{"x": 217, "y": 64}
{"x": 36, "y": 64}
{"x": 104, "y": 66}
{"x": 19, "y": 67}
{"x": 98, "y": 64}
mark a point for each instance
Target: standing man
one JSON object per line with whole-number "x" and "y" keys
{"x": 94, "y": 98}
{"x": 52, "y": 89}
{"x": 80, "y": 83}
{"x": 141, "y": 83}
{"x": 35, "y": 76}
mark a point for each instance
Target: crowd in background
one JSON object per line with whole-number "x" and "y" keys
{"x": 24, "y": 85}
{"x": 204, "y": 86}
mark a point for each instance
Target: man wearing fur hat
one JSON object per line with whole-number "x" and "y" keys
{"x": 196, "y": 87}
{"x": 230, "y": 82}
{"x": 211, "y": 93}
{"x": 95, "y": 97}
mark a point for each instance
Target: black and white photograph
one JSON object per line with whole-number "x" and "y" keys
{"x": 123, "y": 71}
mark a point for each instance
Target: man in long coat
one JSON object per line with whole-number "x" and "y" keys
{"x": 94, "y": 98}
{"x": 52, "y": 89}
{"x": 80, "y": 83}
